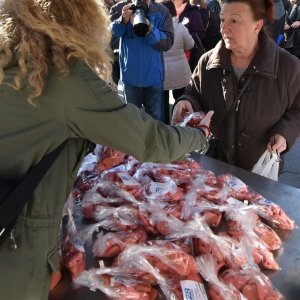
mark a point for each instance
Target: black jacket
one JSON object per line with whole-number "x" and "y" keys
{"x": 211, "y": 22}
{"x": 214, "y": 6}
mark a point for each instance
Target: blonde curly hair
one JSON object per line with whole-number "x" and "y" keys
{"x": 35, "y": 34}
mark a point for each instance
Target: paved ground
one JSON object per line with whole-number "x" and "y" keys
{"x": 291, "y": 173}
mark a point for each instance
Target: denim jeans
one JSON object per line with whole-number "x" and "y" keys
{"x": 149, "y": 97}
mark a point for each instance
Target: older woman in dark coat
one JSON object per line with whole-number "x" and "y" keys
{"x": 267, "y": 115}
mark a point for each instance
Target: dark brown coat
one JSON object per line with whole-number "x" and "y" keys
{"x": 270, "y": 104}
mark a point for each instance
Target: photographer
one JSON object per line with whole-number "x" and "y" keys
{"x": 114, "y": 13}
{"x": 145, "y": 30}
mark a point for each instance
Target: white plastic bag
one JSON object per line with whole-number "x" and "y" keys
{"x": 267, "y": 165}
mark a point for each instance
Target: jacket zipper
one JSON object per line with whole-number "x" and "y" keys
{"x": 13, "y": 244}
{"x": 237, "y": 105}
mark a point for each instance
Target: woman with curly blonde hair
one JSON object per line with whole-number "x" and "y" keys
{"x": 55, "y": 75}
{"x": 38, "y": 34}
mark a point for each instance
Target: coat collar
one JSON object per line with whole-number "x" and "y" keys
{"x": 265, "y": 62}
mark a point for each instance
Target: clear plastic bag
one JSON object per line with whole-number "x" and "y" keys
{"x": 267, "y": 165}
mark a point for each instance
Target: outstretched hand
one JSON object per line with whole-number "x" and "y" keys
{"x": 205, "y": 123}
{"x": 180, "y": 110}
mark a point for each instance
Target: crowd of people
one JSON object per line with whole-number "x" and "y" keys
{"x": 292, "y": 28}
{"x": 172, "y": 49}
{"x": 146, "y": 63}
{"x": 209, "y": 61}
{"x": 58, "y": 77}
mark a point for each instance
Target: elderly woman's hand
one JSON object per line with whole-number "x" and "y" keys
{"x": 180, "y": 109}
{"x": 277, "y": 143}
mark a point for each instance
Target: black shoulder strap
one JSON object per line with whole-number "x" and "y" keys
{"x": 13, "y": 204}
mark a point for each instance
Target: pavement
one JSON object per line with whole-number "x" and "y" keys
{"x": 291, "y": 171}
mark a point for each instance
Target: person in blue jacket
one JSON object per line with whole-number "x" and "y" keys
{"x": 141, "y": 58}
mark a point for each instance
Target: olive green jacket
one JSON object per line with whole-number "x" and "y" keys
{"x": 74, "y": 108}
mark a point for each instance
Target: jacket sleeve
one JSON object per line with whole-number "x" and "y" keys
{"x": 116, "y": 11}
{"x": 118, "y": 29}
{"x": 115, "y": 15}
{"x": 294, "y": 14}
{"x": 188, "y": 41}
{"x": 195, "y": 25}
{"x": 162, "y": 35}
{"x": 289, "y": 124}
{"x": 192, "y": 92}
{"x": 96, "y": 113}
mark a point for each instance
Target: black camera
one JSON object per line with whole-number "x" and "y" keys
{"x": 140, "y": 13}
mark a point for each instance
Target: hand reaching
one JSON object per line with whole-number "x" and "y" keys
{"x": 205, "y": 123}
{"x": 180, "y": 110}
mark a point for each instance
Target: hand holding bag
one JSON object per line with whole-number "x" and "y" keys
{"x": 267, "y": 165}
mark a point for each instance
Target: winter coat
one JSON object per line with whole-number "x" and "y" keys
{"x": 191, "y": 18}
{"x": 115, "y": 13}
{"x": 271, "y": 103}
{"x": 177, "y": 69}
{"x": 73, "y": 108}
{"x": 211, "y": 22}
{"x": 141, "y": 58}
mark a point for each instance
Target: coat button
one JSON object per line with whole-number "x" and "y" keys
{"x": 224, "y": 80}
{"x": 232, "y": 146}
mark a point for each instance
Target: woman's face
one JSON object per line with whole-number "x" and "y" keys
{"x": 238, "y": 27}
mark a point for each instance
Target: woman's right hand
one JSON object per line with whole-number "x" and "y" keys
{"x": 180, "y": 110}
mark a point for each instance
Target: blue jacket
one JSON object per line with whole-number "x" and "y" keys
{"x": 141, "y": 59}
